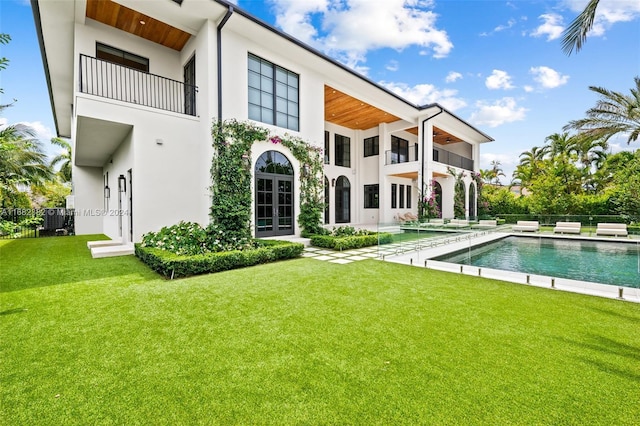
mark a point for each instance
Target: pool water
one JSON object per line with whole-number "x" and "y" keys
{"x": 594, "y": 261}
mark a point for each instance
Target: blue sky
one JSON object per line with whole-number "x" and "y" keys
{"x": 497, "y": 64}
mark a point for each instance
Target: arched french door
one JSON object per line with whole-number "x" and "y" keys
{"x": 472, "y": 201}
{"x": 274, "y": 195}
{"x": 326, "y": 200}
{"x": 343, "y": 200}
{"x": 437, "y": 188}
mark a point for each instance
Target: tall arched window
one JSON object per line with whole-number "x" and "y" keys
{"x": 343, "y": 200}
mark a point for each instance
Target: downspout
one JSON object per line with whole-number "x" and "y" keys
{"x": 422, "y": 163}
{"x": 219, "y": 52}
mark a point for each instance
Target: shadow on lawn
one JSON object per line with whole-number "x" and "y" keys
{"x": 41, "y": 262}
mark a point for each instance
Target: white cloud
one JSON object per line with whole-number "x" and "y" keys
{"x": 509, "y": 24}
{"x": 41, "y": 131}
{"x": 351, "y": 28}
{"x": 502, "y": 111}
{"x": 423, "y": 94}
{"x": 528, "y": 88}
{"x": 548, "y": 78}
{"x": 552, "y": 27}
{"x": 453, "y": 76}
{"x": 3, "y": 121}
{"x": 392, "y": 65}
{"x": 499, "y": 80}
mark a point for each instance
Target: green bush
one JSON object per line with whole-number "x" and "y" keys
{"x": 351, "y": 241}
{"x": 172, "y": 265}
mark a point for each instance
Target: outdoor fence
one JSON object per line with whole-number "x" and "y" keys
{"x": 34, "y": 223}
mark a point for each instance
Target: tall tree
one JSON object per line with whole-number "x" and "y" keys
{"x": 496, "y": 171}
{"x": 22, "y": 160}
{"x": 575, "y": 34}
{"x": 4, "y": 39}
{"x": 64, "y": 158}
{"x": 614, "y": 114}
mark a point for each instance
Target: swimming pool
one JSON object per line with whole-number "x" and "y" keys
{"x": 613, "y": 263}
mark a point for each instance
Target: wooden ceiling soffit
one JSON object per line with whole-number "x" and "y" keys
{"x": 443, "y": 138}
{"x": 133, "y": 22}
{"x": 408, "y": 175}
{"x": 347, "y": 111}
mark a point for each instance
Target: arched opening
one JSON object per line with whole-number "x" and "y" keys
{"x": 343, "y": 200}
{"x": 437, "y": 188}
{"x": 274, "y": 195}
{"x": 326, "y": 200}
{"x": 472, "y": 201}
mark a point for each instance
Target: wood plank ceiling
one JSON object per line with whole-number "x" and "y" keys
{"x": 134, "y": 22}
{"x": 347, "y": 111}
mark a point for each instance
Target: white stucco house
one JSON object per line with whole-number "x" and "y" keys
{"x": 136, "y": 86}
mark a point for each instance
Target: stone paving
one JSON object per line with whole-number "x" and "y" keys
{"x": 348, "y": 256}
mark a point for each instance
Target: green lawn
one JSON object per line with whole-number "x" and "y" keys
{"x": 106, "y": 341}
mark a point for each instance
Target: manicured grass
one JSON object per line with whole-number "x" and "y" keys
{"x": 106, "y": 341}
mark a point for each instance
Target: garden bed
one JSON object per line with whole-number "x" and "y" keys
{"x": 172, "y": 265}
{"x": 346, "y": 237}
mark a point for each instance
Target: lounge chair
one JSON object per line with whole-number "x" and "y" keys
{"x": 434, "y": 222}
{"x": 567, "y": 227}
{"x": 616, "y": 229}
{"x": 526, "y": 225}
{"x": 486, "y": 224}
{"x": 457, "y": 223}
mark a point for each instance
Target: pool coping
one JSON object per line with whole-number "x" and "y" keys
{"x": 424, "y": 258}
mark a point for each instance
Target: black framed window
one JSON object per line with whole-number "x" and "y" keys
{"x": 326, "y": 200}
{"x": 408, "y": 196}
{"x": 190, "y": 86}
{"x": 327, "y": 144}
{"x": 401, "y": 194}
{"x": 273, "y": 94}
{"x": 371, "y": 146}
{"x": 343, "y": 200}
{"x": 399, "y": 150}
{"x": 119, "y": 56}
{"x": 394, "y": 196}
{"x": 343, "y": 151}
{"x": 371, "y": 196}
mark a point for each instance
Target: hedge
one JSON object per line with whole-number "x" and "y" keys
{"x": 172, "y": 265}
{"x": 350, "y": 242}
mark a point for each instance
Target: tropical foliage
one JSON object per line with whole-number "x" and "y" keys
{"x": 614, "y": 114}
{"x": 575, "y": 34}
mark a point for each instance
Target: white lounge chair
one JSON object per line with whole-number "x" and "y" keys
{"x": 486, "y": 224}
{"x": 567, "y": 227}
{"x": 615, "y": 229}
{"x": 457, "y": 223}
{"x": 526, "y": 225}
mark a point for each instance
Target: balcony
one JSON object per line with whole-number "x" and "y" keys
{"x": 397, "y": 156}
{"x": 451, "y": 159}
{"x": 113, "y": 81}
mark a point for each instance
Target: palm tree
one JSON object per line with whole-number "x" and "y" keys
{"x": 64, "y": 158}
{"x": 575, "y": 34}
{"x": 22, "y": 161}
{"x": 614, "y": 113}
{"x": 560, "y": 144}
{"x": 497, "y": 171}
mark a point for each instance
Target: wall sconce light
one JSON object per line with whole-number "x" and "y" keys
{"x": 122, "y": 183}
{"x": 333, "y": 182}
{"x": 107, "y": 192}
{"x": 246, "y": 160}
{"x": 306, "y": 170}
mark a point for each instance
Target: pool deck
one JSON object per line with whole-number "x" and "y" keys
{"x": 422, "y": 255}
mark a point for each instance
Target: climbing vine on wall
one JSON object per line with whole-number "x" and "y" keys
{"x": 458, "y": 194}
{"x": 231, "y": 176}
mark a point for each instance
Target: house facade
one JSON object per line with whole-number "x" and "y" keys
{"x": 136, "y": 86}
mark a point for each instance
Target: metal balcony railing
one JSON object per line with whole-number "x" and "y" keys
{"x": 114, "y": 81}
{"x": 451, "y": 159}
{"x": 396, "y": 156}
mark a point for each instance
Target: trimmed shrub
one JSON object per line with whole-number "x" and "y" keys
{"x": 351, "y": 241}
{"x": 172, "y": 265}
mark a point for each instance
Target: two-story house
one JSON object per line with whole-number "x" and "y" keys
{"x": 137, "y": 84}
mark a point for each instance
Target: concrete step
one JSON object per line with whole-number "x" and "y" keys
{"x": 113, "y": 250}
{"x": 103, "y": 243}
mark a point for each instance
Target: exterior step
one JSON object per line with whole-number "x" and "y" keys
{"x": 112, "y": 250}
{"x": 103, "y": 243}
